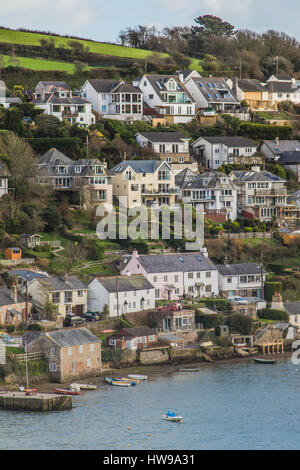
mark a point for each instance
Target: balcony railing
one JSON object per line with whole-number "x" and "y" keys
{"x": 159, "y": 191}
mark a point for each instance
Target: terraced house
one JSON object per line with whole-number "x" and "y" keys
{"x": 167, "y": 95}
{"x": 56, "y": 99}
{"x": 172, "y": 147}
{"x": 113, "y": 99}
{"x": 175, "y": 275}
{"x": 241, "y": 280}
{"x": 145, "y": 182}
{"x": 86, "y": 179}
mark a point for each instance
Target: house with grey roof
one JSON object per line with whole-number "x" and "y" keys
{"x": 253, "y": 92}
{"x": 291, "y": 161}
{"x": 283, "y": 90}
{"x": 169, "y": 96}
{"x": 121, "y": 294}
{"x": 132, "y": 338}
{"x": 86, "y": 177}
{"x": 114, "y": 99}
{"x": 260, "y": 193}
{"x": 212, "y": 152}
{"x": 212, "y": 95}
{"x": 241, "y": 280}
{"x": 171, "y": 147}
{"x": 273, "y": 149}
{"x": 175, "y": 276}
{"x": 213, "y": 189}
{"x": 144, "y": 182}
{"x": 56, "y": 99}
{"x": 70, "y": 353}
{"x": 67, "y": 293}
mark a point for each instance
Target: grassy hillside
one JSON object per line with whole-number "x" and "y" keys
{"x": 42, "y": 64}
{"x": 33, "y": 39}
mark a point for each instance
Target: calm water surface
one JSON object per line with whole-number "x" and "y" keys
{"x": 231, "y": 406}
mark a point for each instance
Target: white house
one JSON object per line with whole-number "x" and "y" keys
{"x": 121, "y": 294}
{"x": 241, "y": 280}
{"x": 212, "y": 95}
{"x": 176, "y": 275}
{"x": 214, "y": 190}
{"x": 56, "y": 99}
{"x": 283, "y": 90}
{"x": 167, "y": 95}
{"x": 113, "y": 99}
{"x": 4, "y": 175}
{"x": 214, "y": 151}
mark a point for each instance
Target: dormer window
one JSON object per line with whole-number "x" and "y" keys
{"x": 62, "y": 169}
{"x": 77, "y": 169}
{"x": 171, "y": 85}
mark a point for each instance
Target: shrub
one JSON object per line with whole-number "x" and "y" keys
{"x": 209, "y": 321}
{"x": 272, "y": 314}
{"x": 271, "y": 288}
{"x": 10, "y": 328}
{"x": 239, "y": 323}
{"x": 34, "y": 327}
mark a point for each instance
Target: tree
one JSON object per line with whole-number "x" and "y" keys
{"x": 13, "y": 121}
{"x": 240, "y": 324}
{"x": 20, "y": 158}
{"x": 232, "y": 123}
{"x": 211, "y": 65}
{"x": 50, "y": 126}
{"x": 213, "y": 26}
{"x": 51, "y": 217}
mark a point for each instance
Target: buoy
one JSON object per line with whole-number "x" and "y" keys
{"x": 128, "y": 445}
{"x": 148, "y": 434}
{"x": 129, "y": 427}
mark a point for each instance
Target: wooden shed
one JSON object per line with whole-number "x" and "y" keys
{"x": 13, "y": 253}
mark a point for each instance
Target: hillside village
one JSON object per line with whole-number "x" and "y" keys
{"x": 231, "y": 145}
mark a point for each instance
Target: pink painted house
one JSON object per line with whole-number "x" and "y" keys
{"x": 175, "y": 275}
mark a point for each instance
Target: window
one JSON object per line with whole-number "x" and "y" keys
{"x": 52, "y": 351}
{"x": 52, "y": 367}
{"x": 80, "y": 293}
{"x": 104, "y": 107}
{"x": 88, "y": 363}
{"x": 150, "y": 97}
{"x": 157, "y": 293}
{"x": 229, "y": 280}
{"x": 176, "y": 278}
{"x": 176, "y": 291}
{"x": 208, "y": 274}
{"x": 162, "y": 149}
{"x": 165, "y": 278}
{"x": 92, "y": 347}
{"x": 68, "y": 297}
{"x": 190, "y": 275}
{"x": 55, "y": 297}
{"x": 181, "y": 159}
{"x": 80, "y": 349}
{"x": 70, "y": 351}
{"x": 208, "y": 288}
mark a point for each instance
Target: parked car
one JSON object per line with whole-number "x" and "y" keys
{"x": 171, "y": 306}
{"x": 73, "y": 320}
{"x": 90, "y": 316}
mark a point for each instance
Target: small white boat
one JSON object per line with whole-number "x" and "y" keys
{"x": 189, "y": 370}
{"x": 172, "y": 417}
{"x": 83, "y": 386}
{"x": 138, "y": 377}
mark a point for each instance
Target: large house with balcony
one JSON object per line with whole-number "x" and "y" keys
{"x": 175, "y": 275}
{"x": 212, "y": 152}
{"x": 241, "y": 280}
{"x": 56, "y": 99}
{"x": 86, "y": 178}
{"x": 260, "y": 193}
{"x": 214, "y": 190}
{"x": 167, "y": 95}
{"x": 144, "y": 182}
{"x": 172, "y": 147}
{"x": 212, "y": 95}
{"x": 4, "y": 175}
{"x": 67, "y": 293}
{"x": 114, "y": 99}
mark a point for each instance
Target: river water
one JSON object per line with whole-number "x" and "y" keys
{"x": 225, "y": 406}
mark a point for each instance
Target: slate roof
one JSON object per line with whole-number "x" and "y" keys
{"x": 61, "y": 283}
{"x": 281, "y": 87}
{"x": 239, "y": 269}
{"x": 171, "y": 263}
{"x": 22, "y": 273}
{"x": 263, "y": 175}
{"x": 247, "y": 84}
{"x": 138, "y": 166}
{"x": 68, "y": 100}
{"x": 56, "y": 84}
{"x": 73, "y": 337}
{"x": 54, "y": 156}
{"x": 135, "y": 332}
{"x": 185, "y": 176}
{"x": 125, "y": 283}
{"x": 158, "y": 83}
{"x": 293, "y": 308}
{"x": 229, "y": 141}
{"x": 6, "y": 299}
{"x": 281, "y": 146}
{"x": 283, "y": 77}
{"x": 162, "y": 137}
{"x": 215, "y": 90}
{"x": 289, "y": 157}
{"x": 107, "y": 85}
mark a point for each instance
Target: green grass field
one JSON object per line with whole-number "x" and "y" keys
{"x": 33, "y": 39}
{"x": 41, "y": 64}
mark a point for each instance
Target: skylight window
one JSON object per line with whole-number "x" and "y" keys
{"x": 199, "y": 259}
{"x": 202, "y": 85}
{"x": 210, "y": 85}
{"x": 217, "y": 95}
{"x": 209, "y": 95}
{"x": 181, "y": 259}
{"x": 159, "y": 85}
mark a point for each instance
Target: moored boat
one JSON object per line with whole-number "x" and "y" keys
{"x": 118, "y": 383}
{"x": 172, "y": 417}
{"x": 264, "y": 361}
{"x": 83, "y": 386}
{"x": 189, "y": 370}
{"x": 126, "y": 379}
{"x": 138, "y": 377}
{"x": 62, "y": 391}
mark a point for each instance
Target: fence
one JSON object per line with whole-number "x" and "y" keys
{"x": 54, "y": 243}
{"x": 30, "y": 356}
{"x": 234, "y": 236}
{"x": 13, "y": 262}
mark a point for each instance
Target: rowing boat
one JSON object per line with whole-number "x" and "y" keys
{"x": 118, "y": 383}
{"x": 138, "y": 377}
{"x": 62, "y": 391}
{"x": 264, "y": 361}
{"x": 125, "y": 379}
{"x": 189, "y": 370}
{"x": 83, "y": 386}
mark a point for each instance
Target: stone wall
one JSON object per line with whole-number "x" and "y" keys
{"x": 153, "y": 356}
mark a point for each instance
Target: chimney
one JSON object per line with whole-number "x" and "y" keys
{"x": 135, "y": 254}
{"x": 181, "y": 78}
{"x": 14, "y": 293}
{"x": 277, "y": 303}
{"x": 204, "y": 252}
{"x": 226, "y": 261}
{"x": 277, "y": 140}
